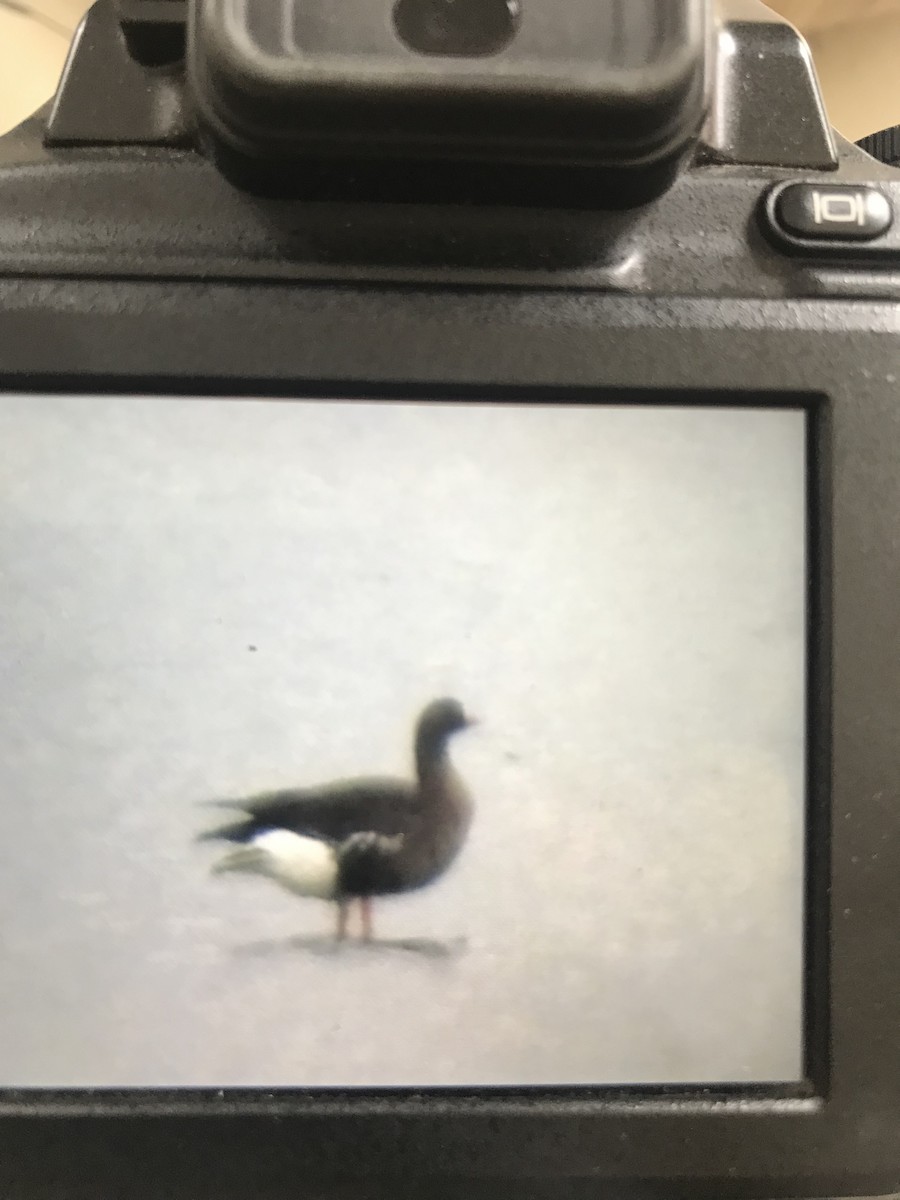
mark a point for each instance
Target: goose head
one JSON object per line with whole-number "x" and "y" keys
{"x": 438, "y": 722}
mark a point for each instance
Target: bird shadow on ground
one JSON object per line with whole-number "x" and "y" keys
{"x": 325, "y": 946}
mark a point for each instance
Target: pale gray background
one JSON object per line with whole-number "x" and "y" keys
{"x": 617, "y": 592}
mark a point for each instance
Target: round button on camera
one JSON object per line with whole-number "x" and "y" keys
{"x": 457, "y": 28}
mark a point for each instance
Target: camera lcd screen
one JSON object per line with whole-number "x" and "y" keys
{"x": 253, "y": 835}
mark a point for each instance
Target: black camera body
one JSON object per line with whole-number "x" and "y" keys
{"x": 637, "y": 203}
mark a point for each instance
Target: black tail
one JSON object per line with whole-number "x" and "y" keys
{"x": 234, "y": 831}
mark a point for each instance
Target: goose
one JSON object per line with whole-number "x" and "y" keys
{"x": 355, "y": 839}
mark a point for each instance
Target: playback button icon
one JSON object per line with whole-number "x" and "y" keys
{"x": 840, "y": 212}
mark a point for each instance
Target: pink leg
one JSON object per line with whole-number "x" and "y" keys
{"x": 343, "y": 914}
{"x": 365, "y": 908}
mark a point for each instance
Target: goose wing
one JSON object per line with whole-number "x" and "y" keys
{"x": 333, "y": 812}
{"x": 371, "y": 864}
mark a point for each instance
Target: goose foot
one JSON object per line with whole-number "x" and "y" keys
{"x": 365, "y": 908}
{"x": 343, "y": 915}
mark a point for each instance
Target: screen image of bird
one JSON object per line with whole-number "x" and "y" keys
{"x": 366, "y": 744}
{"x": 359, "y": 838}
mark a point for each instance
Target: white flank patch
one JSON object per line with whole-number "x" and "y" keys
{"x": 301, "y": 864}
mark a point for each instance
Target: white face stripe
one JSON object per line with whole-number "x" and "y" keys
{"x": 303, "y": 865}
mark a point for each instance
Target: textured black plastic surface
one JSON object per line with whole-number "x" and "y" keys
{"x": 767, "y": 109}
{"x": 106, "y": 97}
{"x": 884, "y": 145}
{"x": 617, "y": 83}
{"x": 154, "y": 29}
{"x": 141, "y": 211}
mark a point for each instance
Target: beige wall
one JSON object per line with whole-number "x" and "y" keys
{"x": 32, "y": 52}
{"x": 859, "y": 68}
{"x": 820, "y": 14}
{"x": 856, "y": 44}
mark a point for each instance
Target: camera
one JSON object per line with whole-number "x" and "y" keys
{"x": 449, "y": 569}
